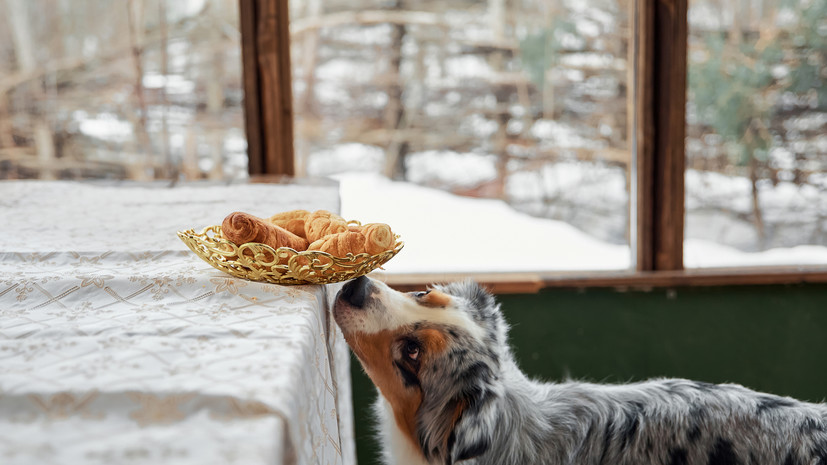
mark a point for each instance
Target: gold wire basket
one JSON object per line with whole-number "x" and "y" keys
{"x": 260, "y": 262}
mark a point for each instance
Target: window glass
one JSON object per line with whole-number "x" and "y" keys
{"x": 139, "y": 89}
{"x": 492, "y": 135}
{"x": 756, "y": 145}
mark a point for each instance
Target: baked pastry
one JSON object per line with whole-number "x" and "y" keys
{"x": 378, "y": 238}
{"x": 241, "y": 228}
{"x": 339, "y": 245}
{"x": 292, "y": 214}
{"x": 322, "y": 223}
{"x": 371, "y": 238}
{"x": 292, "y": 221}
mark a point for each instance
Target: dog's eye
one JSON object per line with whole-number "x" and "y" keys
{"x": 412, "y": 350}
{"x": 421, "y": 294}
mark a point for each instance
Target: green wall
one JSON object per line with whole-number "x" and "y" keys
{"x": 768, "y": 338}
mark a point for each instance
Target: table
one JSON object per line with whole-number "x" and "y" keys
{"x": 119, "y": 345}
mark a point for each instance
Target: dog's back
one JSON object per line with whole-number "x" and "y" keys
{"x": 670, "y": 421}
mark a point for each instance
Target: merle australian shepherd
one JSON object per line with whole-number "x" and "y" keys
{"x": 450, "y": 391}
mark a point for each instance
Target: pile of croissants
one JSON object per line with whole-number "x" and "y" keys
{"x": 302, "y": 230}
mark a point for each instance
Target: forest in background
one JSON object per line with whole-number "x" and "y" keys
{"x": 528, "y": 101}
{"x": 137, "y": 89}
{"x": 523, "y": 100}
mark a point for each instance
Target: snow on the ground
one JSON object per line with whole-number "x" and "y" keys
{"x": 343, "y": 157}
{"x": 105, "y": 126}
{"x": 586, "y": 183}
{"x": 445, "y": 233}
{"x": 734, "y": 193}
{"x": 561, "y": 135}
{"x": 702, "y": 254}
{"x": 451, "y": 168}
{"x": 172, "y": 84}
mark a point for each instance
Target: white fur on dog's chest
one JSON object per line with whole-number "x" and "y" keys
{"x": 397, "y": 448}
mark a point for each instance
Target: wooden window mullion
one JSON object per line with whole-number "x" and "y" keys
{"x": 268, "y": 97}
{"x": 660, "y": 127}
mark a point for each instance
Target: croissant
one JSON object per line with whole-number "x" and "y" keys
{"x": 292, "y": 221}
{"x": 378, "y": 238}
{"x": 340, "y": 244}
{"x": 371, "y": 238}
{"x": 241, "y": 228}
{"x": 322, "y": 223}
{"x": 292, "y": 214}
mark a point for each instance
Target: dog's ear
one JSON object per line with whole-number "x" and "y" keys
{"x": 478, "y": 296}
{"x": 456, "y": 420}
{"x": 482, "y": 307}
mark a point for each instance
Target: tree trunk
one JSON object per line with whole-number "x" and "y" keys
{"x": 24, "y": 49}
{"x": 757, "y": 217}
{"x": 306, "y": 105}
{"x": 135, "y": 13}
{"x": 170, "y": 171}
{"x": 7, "y": 137}
{"x": 502, "y": 92}
{"x": 395, "y": 111}
{"x": 310, "y": 55}
{"x": 189, "y": 159}
{"x": 45, "y": 149}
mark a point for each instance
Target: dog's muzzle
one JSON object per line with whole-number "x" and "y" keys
{"x": 355, "y": 292}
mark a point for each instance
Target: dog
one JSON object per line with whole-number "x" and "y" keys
{"x": 450, "y": 391}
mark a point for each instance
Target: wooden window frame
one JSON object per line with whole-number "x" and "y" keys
{"x": 660, "y": 62}
{"x": 268, "y": 90}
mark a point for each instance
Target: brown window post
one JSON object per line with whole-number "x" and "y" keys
{"x": 660, "y": 126}
{"x": 268, "y": 97}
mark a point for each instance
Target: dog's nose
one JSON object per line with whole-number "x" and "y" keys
{"x": 355, "y": 291}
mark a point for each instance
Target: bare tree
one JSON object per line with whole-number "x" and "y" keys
{"x": 24, "y": 48}
{"x": 395, "y": 119}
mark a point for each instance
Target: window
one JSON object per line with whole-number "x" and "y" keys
{"x": 504, "y": 124}
{"x": 568, "y": 115}
{"x": 144, "y": 89}
{"x": 756, "y": 174}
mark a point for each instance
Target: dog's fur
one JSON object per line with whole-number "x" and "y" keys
{"x": 451, "y": 392}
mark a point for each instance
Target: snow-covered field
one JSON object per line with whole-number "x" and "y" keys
{"x": 447, "y": 233}
{"x": 700, "y": 254}
{"x": 444, "y": 233}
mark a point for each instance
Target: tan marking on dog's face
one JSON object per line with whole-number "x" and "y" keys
{"x": 433, "y": 341}
{"x": 375, "y": 351}
{"x": 385, "y": 353}
{"x": 435, "y": 299}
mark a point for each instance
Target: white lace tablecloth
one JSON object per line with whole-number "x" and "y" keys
{"x": 119, "y": 345}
